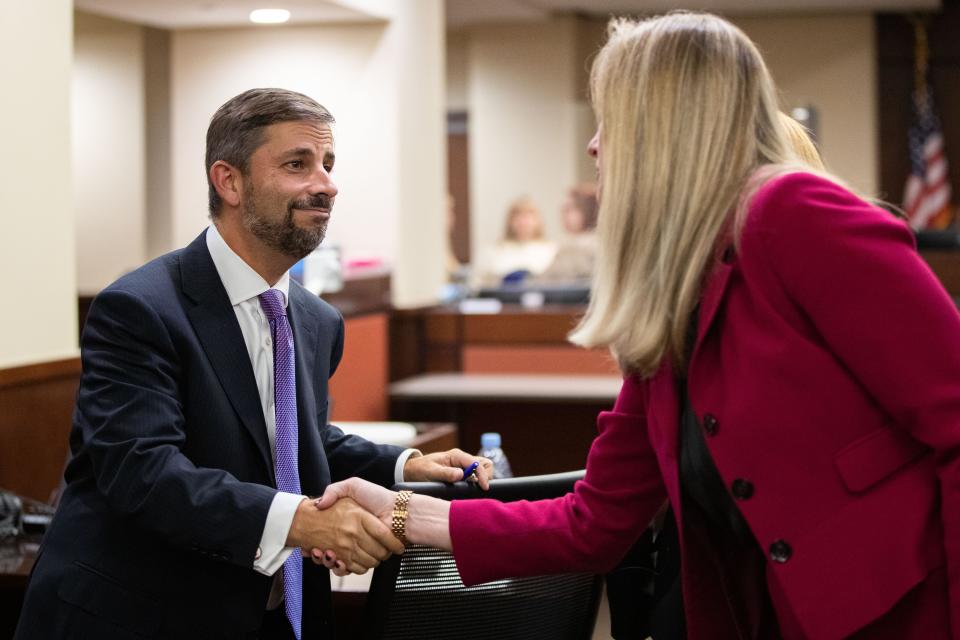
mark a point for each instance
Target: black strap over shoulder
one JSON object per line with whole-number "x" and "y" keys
{"x": 644, "y": 591}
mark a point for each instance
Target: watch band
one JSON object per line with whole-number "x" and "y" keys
{"x": 398, "y": 524}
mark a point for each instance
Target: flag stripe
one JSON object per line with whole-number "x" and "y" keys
{"x": 927, "y": 190}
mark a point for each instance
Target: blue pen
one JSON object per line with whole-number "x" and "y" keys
{"x": 471, "y": 470}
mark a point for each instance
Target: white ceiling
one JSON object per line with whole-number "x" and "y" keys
{"x": 465, "y": 12}
{"x": 181, "y": 14}
{"x": 186, "y": 14}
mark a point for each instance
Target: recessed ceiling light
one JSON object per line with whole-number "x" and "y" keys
{"x": 269, "y": 16}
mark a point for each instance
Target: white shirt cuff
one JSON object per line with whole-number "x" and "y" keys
{"x": 271, "y": 554}
{"x": 402, "y": 460}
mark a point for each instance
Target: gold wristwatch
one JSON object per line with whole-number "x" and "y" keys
{"x": 398, "y": 524}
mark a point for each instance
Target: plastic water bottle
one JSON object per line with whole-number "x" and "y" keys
{"x": 490, "y": 448}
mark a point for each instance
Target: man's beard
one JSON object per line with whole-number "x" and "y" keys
{"x": 284, "y": 235}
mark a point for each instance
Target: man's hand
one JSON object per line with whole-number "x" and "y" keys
{"x": 447, "y": 466}
{"x": 373, "y": 498}
{"x": 429, "y": 521}
{"x": 359, "y": 540}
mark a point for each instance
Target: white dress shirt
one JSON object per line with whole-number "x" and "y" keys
{"x": 243, "y": 286}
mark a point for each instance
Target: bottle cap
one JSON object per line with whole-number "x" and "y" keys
{"x": 490, "y": 440}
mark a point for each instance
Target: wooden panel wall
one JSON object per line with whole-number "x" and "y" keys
{"x": 36, "y": 405}
{"x": 358, "y": 389}
{"x": 946, "y": 265}
{"x": 538, "y": 359}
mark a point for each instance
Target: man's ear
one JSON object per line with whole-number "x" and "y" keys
{"x": 228, "y": 181}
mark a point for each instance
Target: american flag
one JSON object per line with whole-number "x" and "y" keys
{"x": 926, "y": 198}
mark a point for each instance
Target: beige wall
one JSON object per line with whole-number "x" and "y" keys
{"x": 108, "y": 150}
{"x": 39, "y": 319}
{"x": 382, "y": 82}
{"x": 835, "y": 71}
{"x": 524, "y": 110}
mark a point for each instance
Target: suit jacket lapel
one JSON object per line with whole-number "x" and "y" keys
{"x": 216, "y": 326}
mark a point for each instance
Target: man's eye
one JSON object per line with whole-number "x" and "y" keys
{"x": 295, "y": 164}
{"x": 328, "y": 167}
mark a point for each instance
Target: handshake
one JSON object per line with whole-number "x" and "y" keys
{"x": 347, "y": 530}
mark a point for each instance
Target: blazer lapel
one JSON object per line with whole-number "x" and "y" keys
{"x": 216, "y": 326}
{"x": 664, "y": 415}
{"x": 714, "y": 289}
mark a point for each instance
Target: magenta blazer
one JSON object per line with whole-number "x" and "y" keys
{"x": 826, "y": 373}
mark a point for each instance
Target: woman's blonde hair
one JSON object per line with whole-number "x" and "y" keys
{"x": 801, "y": 143}
{"x": 687, "y": 113}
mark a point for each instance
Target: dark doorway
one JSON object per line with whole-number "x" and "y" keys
{"x": 458, "y": 182}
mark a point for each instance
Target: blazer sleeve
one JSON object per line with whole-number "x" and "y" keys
{"x": 350, "y": 455}
{"x": 130, "y": 418}
{"x": 854, "y": 270}
{"x": 588, "y": 530}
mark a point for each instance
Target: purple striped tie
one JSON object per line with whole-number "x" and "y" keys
{"x": 285, "y": 410}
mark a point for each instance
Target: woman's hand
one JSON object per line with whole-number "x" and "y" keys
{"x": 374, "y": 498}
{"x": 427, "y": 524}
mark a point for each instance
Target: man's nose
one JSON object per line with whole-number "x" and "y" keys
{"x": 323, "y": 183}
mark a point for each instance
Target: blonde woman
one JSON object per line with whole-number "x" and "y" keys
{"x": 791, "y": 371}
{"x": 523, "y": 250}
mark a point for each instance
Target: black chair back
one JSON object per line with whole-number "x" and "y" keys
{"x": 419, "y": 595}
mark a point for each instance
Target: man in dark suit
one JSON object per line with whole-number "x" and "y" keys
{"x": 200, "y": 423}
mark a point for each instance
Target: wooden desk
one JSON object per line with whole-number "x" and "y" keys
{"x": 515, "y": 340}
{"x": 547, "y": 421}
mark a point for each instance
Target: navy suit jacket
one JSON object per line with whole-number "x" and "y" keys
{"x": 172, "y": 477}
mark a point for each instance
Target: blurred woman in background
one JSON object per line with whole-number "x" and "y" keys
{"x": 523, "y": 251}
{"x": 577, "y": 252}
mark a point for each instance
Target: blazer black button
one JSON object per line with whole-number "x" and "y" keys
{"x": 780, "y": 551}
{"x": 710, "y": 424}
{"x": 742, "y": 489}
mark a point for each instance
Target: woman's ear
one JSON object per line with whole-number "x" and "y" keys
{"x": 228, "y": 181}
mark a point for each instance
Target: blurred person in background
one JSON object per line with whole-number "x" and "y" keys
{"x": 522, "y": 252}
{"x": 577, "y": 252}
{"x": 453, "y": 266}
